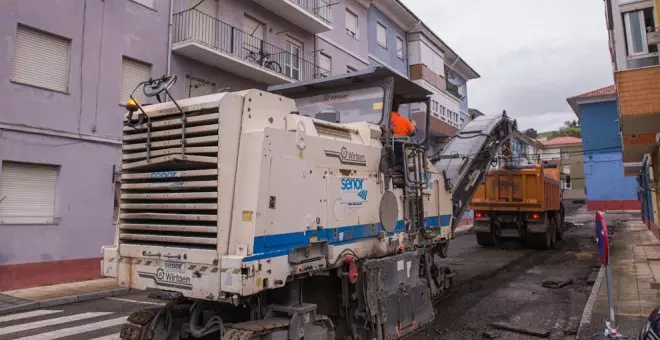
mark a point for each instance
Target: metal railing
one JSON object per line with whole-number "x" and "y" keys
{"x": 193, "y": 25}
{"x": 319, "y": 8}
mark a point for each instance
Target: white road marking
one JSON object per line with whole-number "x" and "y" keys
{"x": 137, "y": 301}
{"x": 60, "y": 333}
{"x": 108, "y": 337}
{"x": 26, "y": 315}
{"x": 50, "y": 322}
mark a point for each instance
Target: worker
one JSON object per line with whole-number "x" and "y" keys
{"x": 401, "y": 126}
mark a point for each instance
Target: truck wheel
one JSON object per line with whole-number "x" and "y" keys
{"x": 560, "y": 226}
{"x": 540, "y": 240}
{"x": 552, "y": 228}
{"x": 485, "y": 239}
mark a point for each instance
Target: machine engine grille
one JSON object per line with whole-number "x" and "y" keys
{"x": 169, "y": 181}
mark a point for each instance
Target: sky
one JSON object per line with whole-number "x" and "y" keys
{"x": 531, "y": 54}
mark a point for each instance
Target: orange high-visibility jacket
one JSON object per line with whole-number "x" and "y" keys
{"x": 401, "y": 126}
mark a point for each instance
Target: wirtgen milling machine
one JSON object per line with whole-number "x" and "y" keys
{"x": 293, "y": 213}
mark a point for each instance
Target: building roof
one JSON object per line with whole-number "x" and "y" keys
{"x": 475, "y": 113}
{"x": 528, "y": 140}
{"x": 562, "y": 141}
{"x": 604, "y": 93}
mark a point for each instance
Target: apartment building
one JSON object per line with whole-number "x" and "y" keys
{"x": 69, "y": 68}
{"x": 436, "y": 67}
{"x": 634, "y": 37}
{"x": 568, "y": 151}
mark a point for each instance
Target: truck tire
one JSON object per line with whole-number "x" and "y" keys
{"x": 541, "y": 241}
{"x": 485, "y": 239}
{"x": 559, "y": 223}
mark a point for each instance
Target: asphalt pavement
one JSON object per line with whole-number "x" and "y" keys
{"x": 492, "y": 284}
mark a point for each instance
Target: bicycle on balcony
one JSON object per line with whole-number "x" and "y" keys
{"x": 262, "y": 58}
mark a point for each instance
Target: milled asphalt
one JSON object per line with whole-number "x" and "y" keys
{"x": 491, "y": 285}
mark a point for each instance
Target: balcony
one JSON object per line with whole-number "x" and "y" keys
{"x": 206, "y": 39}
{"x": 311, "y": 15}
{"x": 638, "y": 93}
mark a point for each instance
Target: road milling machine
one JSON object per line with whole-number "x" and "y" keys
{"x": 292, "y": 213}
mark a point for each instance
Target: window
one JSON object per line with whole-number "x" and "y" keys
{"x": 350, "y": 69}
{"x": 399, "y": 47}
{"x": 351, "y": 24}
{"x": 325, "y": 63}
{"x": 442, "y": 110}
{"x": 146, "y": 3}
{"x": 381, "y": 35}
{"x": 292, "y": 59}
{"x": 41, "y": 60}
{"x": 636, "y": 24}
{"x": 132, "y": 73}
{"x": 27, "y": 193}
{"x": 199, "y": 87}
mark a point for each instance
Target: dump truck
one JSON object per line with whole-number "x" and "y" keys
{"x": 520, "y": 201}
{"x": 291, "y": 213}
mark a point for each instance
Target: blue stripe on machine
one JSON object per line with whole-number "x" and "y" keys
{"x": 279, "y": 244}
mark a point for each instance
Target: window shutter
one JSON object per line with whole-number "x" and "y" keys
{"x": 325, "y": 62}
{"x": 41, "y": 59}
{"x": 381, "y": 34}
{"x": 27, "y": 192}
{"x": 199, "y": 87}
{"x": 351, "y": 24}
{"x": 132, "y": 73}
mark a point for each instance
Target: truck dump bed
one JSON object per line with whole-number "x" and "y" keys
{"x": 528, "y": 188}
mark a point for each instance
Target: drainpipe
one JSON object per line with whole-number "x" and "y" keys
{"x": 610, "y": 32}
{"x": 169, "y": 39}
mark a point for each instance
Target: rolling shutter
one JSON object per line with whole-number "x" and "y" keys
{"x": 199, "y": 87}
{"x": 132, "y": 73}
{"x": 41, "y": 60}
{"x": 325, "y": 62}
{"x": 27, "y": 192}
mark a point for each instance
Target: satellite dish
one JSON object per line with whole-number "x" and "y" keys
{"x": 388, "y": 211}
{"x": 158, "y": 86}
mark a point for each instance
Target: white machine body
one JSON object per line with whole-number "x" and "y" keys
{"x": 256, "y": 196}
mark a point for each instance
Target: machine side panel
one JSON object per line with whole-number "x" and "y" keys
{"x": 229, "y": 128}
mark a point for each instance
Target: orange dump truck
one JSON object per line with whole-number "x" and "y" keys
{"x": 521, "y": 202}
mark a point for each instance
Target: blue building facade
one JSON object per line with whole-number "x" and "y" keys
{"x": 645, "y": 192}
{"x": 607, "y": 187}
{"x": 393, "y": 52}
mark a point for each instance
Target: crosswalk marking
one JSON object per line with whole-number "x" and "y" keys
{"x": 60, "y": 333}
{"x": 108, "y": 337}
{"x": 51, "y": 322}
{"x": 26, "y": 315}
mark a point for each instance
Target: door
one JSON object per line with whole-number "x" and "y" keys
{"x": 253, "y": 35}
{"x": 292, "y": 60}
{"x": 203, "y": 23}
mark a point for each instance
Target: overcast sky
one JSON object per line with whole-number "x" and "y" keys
{"x": 531, "y": 54}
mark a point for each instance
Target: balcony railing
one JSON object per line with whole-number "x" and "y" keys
{"x": 193, "y": 25}
{"x": 321, "y": 9}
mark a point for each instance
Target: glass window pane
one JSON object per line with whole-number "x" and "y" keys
{"x": 636, "y": 31}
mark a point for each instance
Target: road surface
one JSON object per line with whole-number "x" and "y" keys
{"x": 492, "y": 285}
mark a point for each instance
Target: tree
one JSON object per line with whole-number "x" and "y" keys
{"x": 570, "y": 128}
{"x": 531, "y": 133}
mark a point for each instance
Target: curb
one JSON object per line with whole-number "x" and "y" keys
{"x": 585, "y": 321}
{"x": 32, "y": 305}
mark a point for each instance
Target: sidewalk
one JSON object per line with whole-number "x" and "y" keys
{"x": 37, "y": 297}
{"x": 635, "y": 261}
